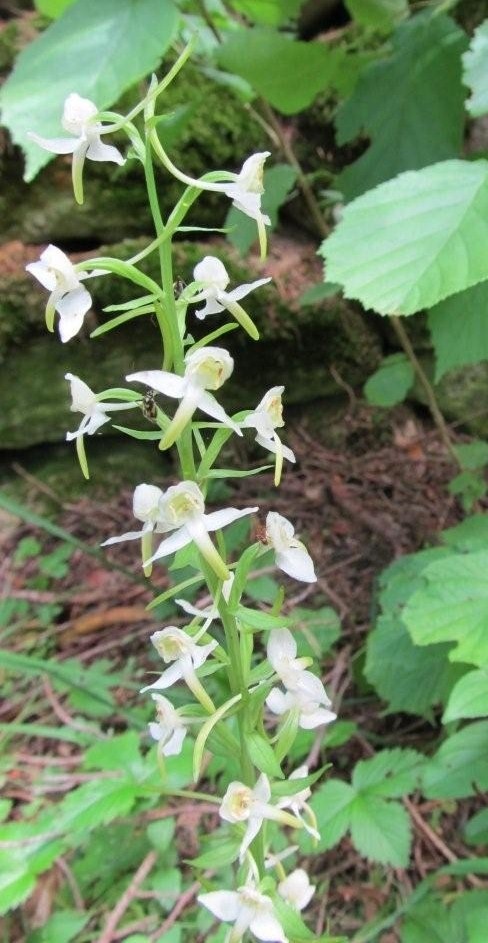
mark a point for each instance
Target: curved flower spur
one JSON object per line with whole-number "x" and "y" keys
{"x": 205, "y": 369}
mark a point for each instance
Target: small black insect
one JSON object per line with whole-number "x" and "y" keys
{"x": 178, "y": 286}
{"x": 149, "y": 407}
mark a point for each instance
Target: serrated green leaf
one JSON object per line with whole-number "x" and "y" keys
{"x": 475, "y": 62}
{"x": 390, "y": 384}
{"x": 96, "y": 803}
{"x": 16, "y": 880}
{"x": 332, "y": 805}
{"x": 453, "y": 607}
{"x": 268, "y": 12}
{"x": 52, "y": 8}
{"x": 62, "y": 927}
{"x": 471, "y": 534}
{"x": 391, "y": 773}
{"x": 99, "y": 49}
{"x": 460, "y": 764}
{"x": 430, "y": 920}
{"x": 286, "y": 72}
{"x": 415, "y": 240}
{"x": 121, "y": 752}
{"x": 473, "y": 455}
{"x": 381, "y": 830}
{"x": 459, "y": 329}
{"x": 469, "y": 697}
{"x": 221, "y": 851}
{"x": 408, "y": 677}
{"x": 421, "y": 119}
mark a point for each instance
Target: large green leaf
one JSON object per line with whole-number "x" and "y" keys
{"x": 381, "y": 830}
{"x": 391, "y": 773}
{"x": 475, "y": 62}
{"x": 420, "y": 120}
{"x": 469, "y": 697}
{"x": 377, "y": 14}
{"x": 97, "y": 49}
{"x": 453, "y": 607}
{"x": 459, "y": 329}
{"x": 430, "y": 921}
{"x": 268, "y": 12}
{"x": 460, "y": 766}
{"x": 414, "y": 240}
{"x": 332, "y": 806}
{"x": 287, "y": 73}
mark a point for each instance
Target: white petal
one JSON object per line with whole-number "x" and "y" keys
{"x": 173, "y": 543}
{"x": 271, "y": 446}
{"x": 297, "y": 562}
{"x": 253, "y": 826}
{"x": 211, "y": 307}
{"x": 155, "y": 730}
{"x": 174, "y": 745}
{"x": 281, "y": 644}
{"x": 69, "y": 327}
{"x": 74, "y": 303}
{"x": 130, "y": 535}
{"x": 100, "y": 151}
{"x": 296, "y": 889}
{"x": 262, "y": 789}
{"x": 145, "y": 502}
{"x": 55, "y": 145}
{"x": 224, "y": 905}
{"x": 267, "y": 927}
{"x": 202, "y": 652}
{"x": 96, "y": 420}
{"x": 161, "y": 380}
{"x": 208, "y": 404}
{"x": 237, "y": 293}
{"x": 218, "y": 519}
{"x": 169, "y": 677}
{"x": 212, "y": 272}
{"x": 82, "y": 397}
{"x": 310, "y": 686}
{"x": 43, "y": 273}
{"x": 317, "y": 718}
{"x": 279, "y": 702}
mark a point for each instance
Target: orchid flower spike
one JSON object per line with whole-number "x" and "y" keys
{"x": 243, "y": 804}
{"x": 266, "y": 418}
{"x": 298, "y": 803}
{"x": 213, "y": 279}
{"x": 210, "y": 613}
{"x": 206, "y": 369}
{"x": 169, "y": 729}
{"x": 146, "y": 508}
{"x": 247, "y": 909}
{"x": 177, "y": 647}
{"x": 296, "y": 889}
{"x": 85, "y": 401}
{"x": 246, "y": 191}
{"x": 68, "y": 296}
{"x": 290, "y": 554}
{"x": 79, "y": 118}
{"x": 182, "y": 508}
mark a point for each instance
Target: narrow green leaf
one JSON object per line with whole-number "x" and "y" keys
{"x": 206, "y": 730}
{"x": 236, "y": 472}
{"x": 120, "y": 319}
{"x": 262, "y": 755}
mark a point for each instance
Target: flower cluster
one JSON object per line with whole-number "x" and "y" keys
{"x": 216, "y": 636}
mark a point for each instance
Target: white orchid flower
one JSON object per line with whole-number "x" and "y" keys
{"x": 247, "y": 909}
{"x": 146, "y": 508}
{"x": 206, "y": 369}
{"x": 243, "y": 804}
{"x": 214, "y": 279}
{"x": 298, "y": 803}
{"x": 310, "y": 712}
{"x": 246, "y": 191}
{"x": 68, "y": 296}
{"x": 182, "y": 509}
{"x": 84, "y": 400}
{"x": 185, "y": 656}
{"x": 281, "y": 651}
{"x": 209, "y": 613}
{"x": 296, "y": 889}
{"x": 94, "y": 411}
{"x": 290, "y": 554}
{"x": 266, "y": 419}
{"x": 169, "y": 729}
{"x": 79, "y": 119}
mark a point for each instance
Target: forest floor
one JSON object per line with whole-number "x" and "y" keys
{"x": 360, "y": 507}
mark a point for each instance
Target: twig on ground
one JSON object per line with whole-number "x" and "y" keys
{"x": 124, "y": 902}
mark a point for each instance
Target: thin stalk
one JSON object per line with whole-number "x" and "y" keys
{"x": 423, "y": 379}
